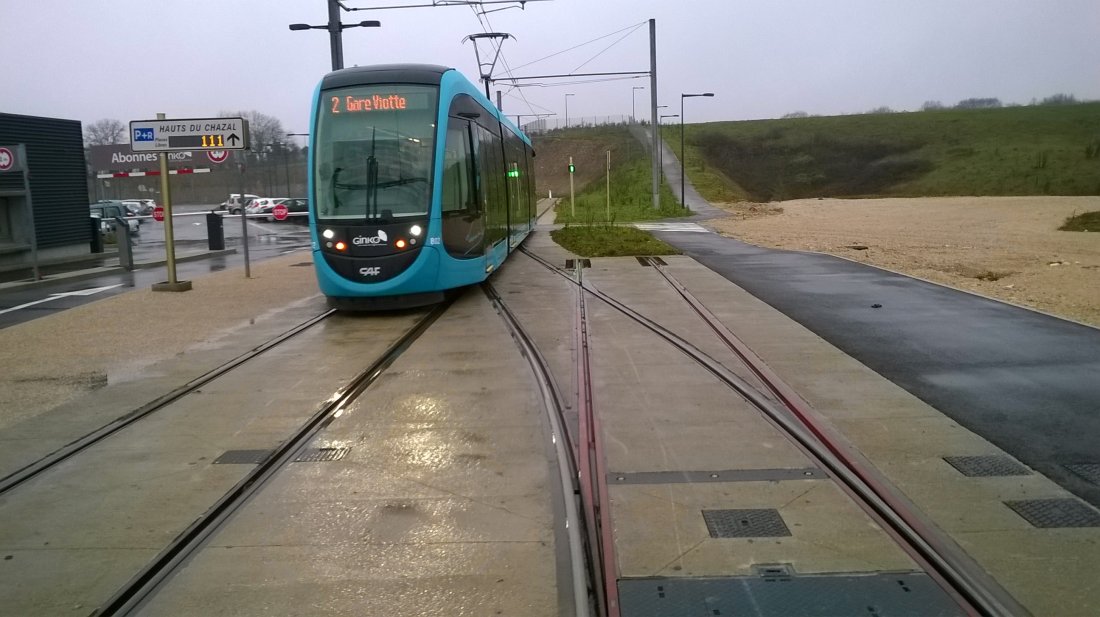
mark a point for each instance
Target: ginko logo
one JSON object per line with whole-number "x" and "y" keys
{"x": 378, "y": 239}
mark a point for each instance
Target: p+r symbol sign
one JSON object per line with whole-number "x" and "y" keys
{"x": 143, "y": 135}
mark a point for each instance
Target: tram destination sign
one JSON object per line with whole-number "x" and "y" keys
{"x": 188, "y": 134}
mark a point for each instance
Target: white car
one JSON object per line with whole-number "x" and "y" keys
{"x": 234, "y": 203}
{"x": 263, "y": 205}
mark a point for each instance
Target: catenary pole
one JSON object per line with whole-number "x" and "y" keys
{"x": 653, "y": 112}
{"x": 334, "y": 35}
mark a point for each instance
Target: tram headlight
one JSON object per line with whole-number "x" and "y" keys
{"x": 328, "y": 234}
{"x": 341, "y": 246}
{"x": 416, "y": 230}
{"x": 400, "y": 244}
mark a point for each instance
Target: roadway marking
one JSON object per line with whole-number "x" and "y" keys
{"x": 687, "y": 227}
{"x": 64, "y": 294}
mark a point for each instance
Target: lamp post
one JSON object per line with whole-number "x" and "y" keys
{"x": 335, "y": 28}
{"x": 567, "y": 108}
{"x": 683, "y": 154}
{"x": 660, "y": 142}
{"x": 633, "y": 117}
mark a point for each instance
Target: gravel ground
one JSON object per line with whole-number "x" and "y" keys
{"x": 49, "y": 361}
{"x": 1004, "y": 247}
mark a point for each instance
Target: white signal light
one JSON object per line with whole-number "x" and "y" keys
{"x": 328, "y": 234}
{"x": 415, "y": 230}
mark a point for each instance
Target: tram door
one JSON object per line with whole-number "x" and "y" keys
{"x": 461, "y": 208}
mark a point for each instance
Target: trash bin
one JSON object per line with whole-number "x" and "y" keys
{"x": 215, "y": 232}
{"x": 125, "y": 246}
{"x": 97, "y": 234}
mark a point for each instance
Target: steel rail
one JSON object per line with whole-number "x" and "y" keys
{"x": 132, "y": 596}
{"x": 954, "y": 571}
{"x": 583, "y": 583}
{"x": 979, "y": 589}
{"x": 29, "y": 471}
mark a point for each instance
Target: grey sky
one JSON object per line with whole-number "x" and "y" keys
{"x": 129, "y": 59}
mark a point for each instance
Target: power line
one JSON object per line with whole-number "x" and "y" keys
{"x": 620, "y": 39}
{"x": 635, "y": 26}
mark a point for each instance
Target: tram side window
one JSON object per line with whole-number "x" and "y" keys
{"x": 463, "y": 225}
{"x": 491, "y": 168}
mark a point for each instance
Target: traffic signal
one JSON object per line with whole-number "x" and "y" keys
{"x": 572, "y": 168}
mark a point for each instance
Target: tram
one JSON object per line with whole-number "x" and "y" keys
{"x": 417, "y": 185}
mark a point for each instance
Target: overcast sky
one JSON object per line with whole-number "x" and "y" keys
{"x": 129, "y": 59}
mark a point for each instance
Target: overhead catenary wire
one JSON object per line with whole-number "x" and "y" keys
{"x": 617, "y": 41}
{"x": 558, "y": 53}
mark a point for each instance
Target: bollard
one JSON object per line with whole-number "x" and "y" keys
{"x": 97, "y": 234}
{"x": 215, "y": 231}
{"x": 125, "y": 246}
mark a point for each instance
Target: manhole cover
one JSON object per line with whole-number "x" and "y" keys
{"x": 1088, "y": 471}
{"x": 1051, "y": 513}
{"x": 987, "y": 466}
{"x": 242, "y": 457}
{"x": 762, "y": 523}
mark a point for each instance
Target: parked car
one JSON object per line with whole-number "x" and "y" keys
{"x": 262, "y": 205}
{"x": 108, "y": 211}
{"x": 294, "y": 205}
{"x": 235, "y": 204}
{"x": 129, "y": 206}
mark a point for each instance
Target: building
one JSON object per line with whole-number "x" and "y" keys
{"x": 58, "y": 191}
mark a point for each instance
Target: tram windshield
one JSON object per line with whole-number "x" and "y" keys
{"x": 373, "y": 158}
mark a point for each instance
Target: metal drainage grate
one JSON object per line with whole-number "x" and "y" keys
{"x": 242, "y": 457}
{"x": 761, "y": 523}
{"x": 643, "y": 260}
{"x": 573, "y": 263}
{"x": 321, "y": 455}
{"x": 1088, "y": 471}
{"x": 657, "y": 261}
{"x": 302, "y": 264}
{"x": 987, "y": 466}
{"x": 1053, "y": 513}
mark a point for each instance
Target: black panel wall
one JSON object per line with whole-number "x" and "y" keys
{"x": 59, "y": 191}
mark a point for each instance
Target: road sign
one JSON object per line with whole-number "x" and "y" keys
{"x": 209, "y": 134}
{"x": 217, "y": 156}
{"x": 158, "y": 213}
{"x": 8, "y": 160}
{"x": 279, "y": 212}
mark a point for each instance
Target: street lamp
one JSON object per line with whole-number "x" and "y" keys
{"x": 633, "y": 115}
{"x": 683, "y": 153}
{"x": 661, "y": 142}
{"x": 567, "y": 108}
{"x": 334, "y": 28}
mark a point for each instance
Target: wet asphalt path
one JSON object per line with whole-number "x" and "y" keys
{"x": 1027, "y": 382}
{"x": 25, "y": 304}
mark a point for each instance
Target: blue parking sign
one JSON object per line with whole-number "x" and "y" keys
{"x": 143, "y": 135}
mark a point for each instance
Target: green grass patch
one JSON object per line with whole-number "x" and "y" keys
{"x": 631, "y": 197}
{"x": 1089, "y": 221}
{"x": 1035, "y": 150}
{"x": 609, "y": 241}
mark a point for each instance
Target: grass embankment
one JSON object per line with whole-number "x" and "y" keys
{"x": 631, "y": 186}
{"x": 610, "y": 241}
{"x": 1089, "y": 221}
{"x": 1037, "y": 150}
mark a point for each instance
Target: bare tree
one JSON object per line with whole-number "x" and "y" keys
{"x": 931, "y": 106}
{"x": 264, "y": 131}
{"x": 104, "y": 132}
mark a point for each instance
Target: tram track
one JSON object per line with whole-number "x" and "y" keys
{"x": 29, "y": 471}
{"x": 129, "y": 598}
{"x": 956, "y": 573}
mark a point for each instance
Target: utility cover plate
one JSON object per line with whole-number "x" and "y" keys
{"x": 987, "y": 466}
{"x": 1088, "y": 471}
{"x": 908, "y": 594}
{"x": 242, "y": 457}
{"x": 761, "y": 523}
{"x": 1053, "y": 513}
